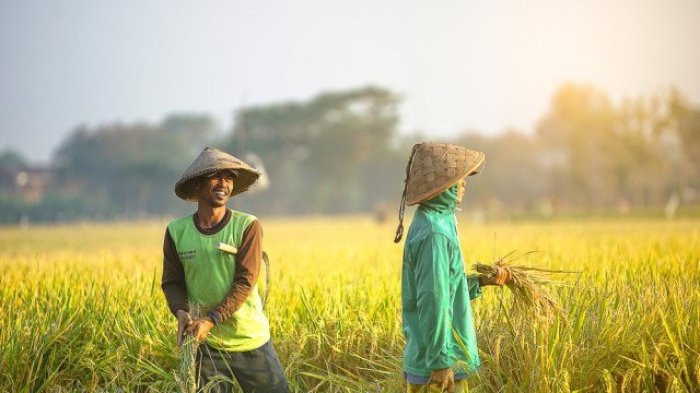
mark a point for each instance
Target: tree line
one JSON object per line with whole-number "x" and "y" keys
{"x": 340, "y": 152}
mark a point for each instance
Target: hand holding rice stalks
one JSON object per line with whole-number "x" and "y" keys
{"x": 527, "y": 285}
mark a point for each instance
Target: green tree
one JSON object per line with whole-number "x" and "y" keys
{"x": 129, "y": 170}
{"x": 511, "y": 174}
{"x": 317, "y": 152}
{"x": 12, "y": 157}
{"x": 642, "y": 159}
{"x": 575, "y": 138}
{"x": 686, "y": 121}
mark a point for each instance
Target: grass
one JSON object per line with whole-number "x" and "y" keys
{"x": 83, "y": 311}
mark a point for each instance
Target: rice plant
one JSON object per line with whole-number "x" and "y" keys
{"x": 83, "y": 310}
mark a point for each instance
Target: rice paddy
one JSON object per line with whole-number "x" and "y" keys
{"x": 82, "y": 308}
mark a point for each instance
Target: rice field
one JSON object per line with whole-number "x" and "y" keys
{"x": 81, "y": 307}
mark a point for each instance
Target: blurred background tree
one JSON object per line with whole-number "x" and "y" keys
{"x": 327, "y": 155}
{"x": 340, "y": 152}
{"x": 126, "y": 170}
{"x": 11, "y": 157}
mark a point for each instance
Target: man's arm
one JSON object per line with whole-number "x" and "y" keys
{"x": 173, "y": 280}
{"x": 476, "y": 281}
{"x": 474, "y": 284}
{"x": 248, "y": 260}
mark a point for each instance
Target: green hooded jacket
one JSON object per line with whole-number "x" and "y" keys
{"x": 435, "y": 292}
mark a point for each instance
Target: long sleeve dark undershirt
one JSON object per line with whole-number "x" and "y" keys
{"x": 246, "y": 273}
{"x": 173, "y": 280}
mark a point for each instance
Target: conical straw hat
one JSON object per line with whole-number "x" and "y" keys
{"x": 210, "y": 161}
{"x": 433, "y": 168}
{"x": 436, "y": 167}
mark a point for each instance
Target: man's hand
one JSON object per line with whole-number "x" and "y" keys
{"x": 444, "y": 379}
{"x": 184, "y": 319}
{"x": 503, "y": 275}
{"x": 200, "y": 328}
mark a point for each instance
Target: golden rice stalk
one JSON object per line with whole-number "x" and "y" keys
{"x": 527, "y": 285}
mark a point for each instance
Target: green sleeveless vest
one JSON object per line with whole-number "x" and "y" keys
{"x": 209, "y": 278}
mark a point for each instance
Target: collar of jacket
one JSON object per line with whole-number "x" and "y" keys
{"x": 442, "y": 203}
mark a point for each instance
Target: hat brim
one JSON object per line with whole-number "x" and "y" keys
{"x": 186, "y": 188}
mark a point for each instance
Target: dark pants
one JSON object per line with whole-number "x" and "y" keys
{"x": 256, "y": 371}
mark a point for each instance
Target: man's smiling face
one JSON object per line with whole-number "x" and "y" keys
{"x": 216, "y": 190}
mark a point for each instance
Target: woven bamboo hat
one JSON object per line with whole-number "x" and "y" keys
{"x": 210, "y": 161}
{"x": 433, "y": 168}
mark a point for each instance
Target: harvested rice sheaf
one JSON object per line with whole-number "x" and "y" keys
{"x": 186, "y": 379}
{"x": 528, "y": 285}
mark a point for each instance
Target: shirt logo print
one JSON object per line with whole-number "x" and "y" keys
{"x": 187, "y": 255}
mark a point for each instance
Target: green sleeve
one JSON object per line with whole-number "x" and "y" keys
{"x": 432, "y": 275}
{"x": 474, "y": 286}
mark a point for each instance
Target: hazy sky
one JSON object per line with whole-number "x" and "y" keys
{"x": 485, "y": 65}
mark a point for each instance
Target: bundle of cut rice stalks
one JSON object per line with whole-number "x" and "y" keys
{"x": 528, "y": 285}
{"x": 186, "y": 377}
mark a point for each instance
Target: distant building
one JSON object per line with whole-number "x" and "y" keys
{"x": 27, "y": 183}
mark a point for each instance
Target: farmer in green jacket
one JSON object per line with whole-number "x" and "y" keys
{"x": 441, "y": 346}
{"x": 211, "y": 261}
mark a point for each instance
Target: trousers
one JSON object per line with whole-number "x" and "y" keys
{"x": 255, "y": 371}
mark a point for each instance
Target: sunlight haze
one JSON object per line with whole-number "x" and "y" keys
{"x": 458, "y": 66}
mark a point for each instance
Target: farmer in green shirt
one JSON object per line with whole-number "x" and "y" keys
{"x": 441, "y": 346}
{"x": 211, "y": 264}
